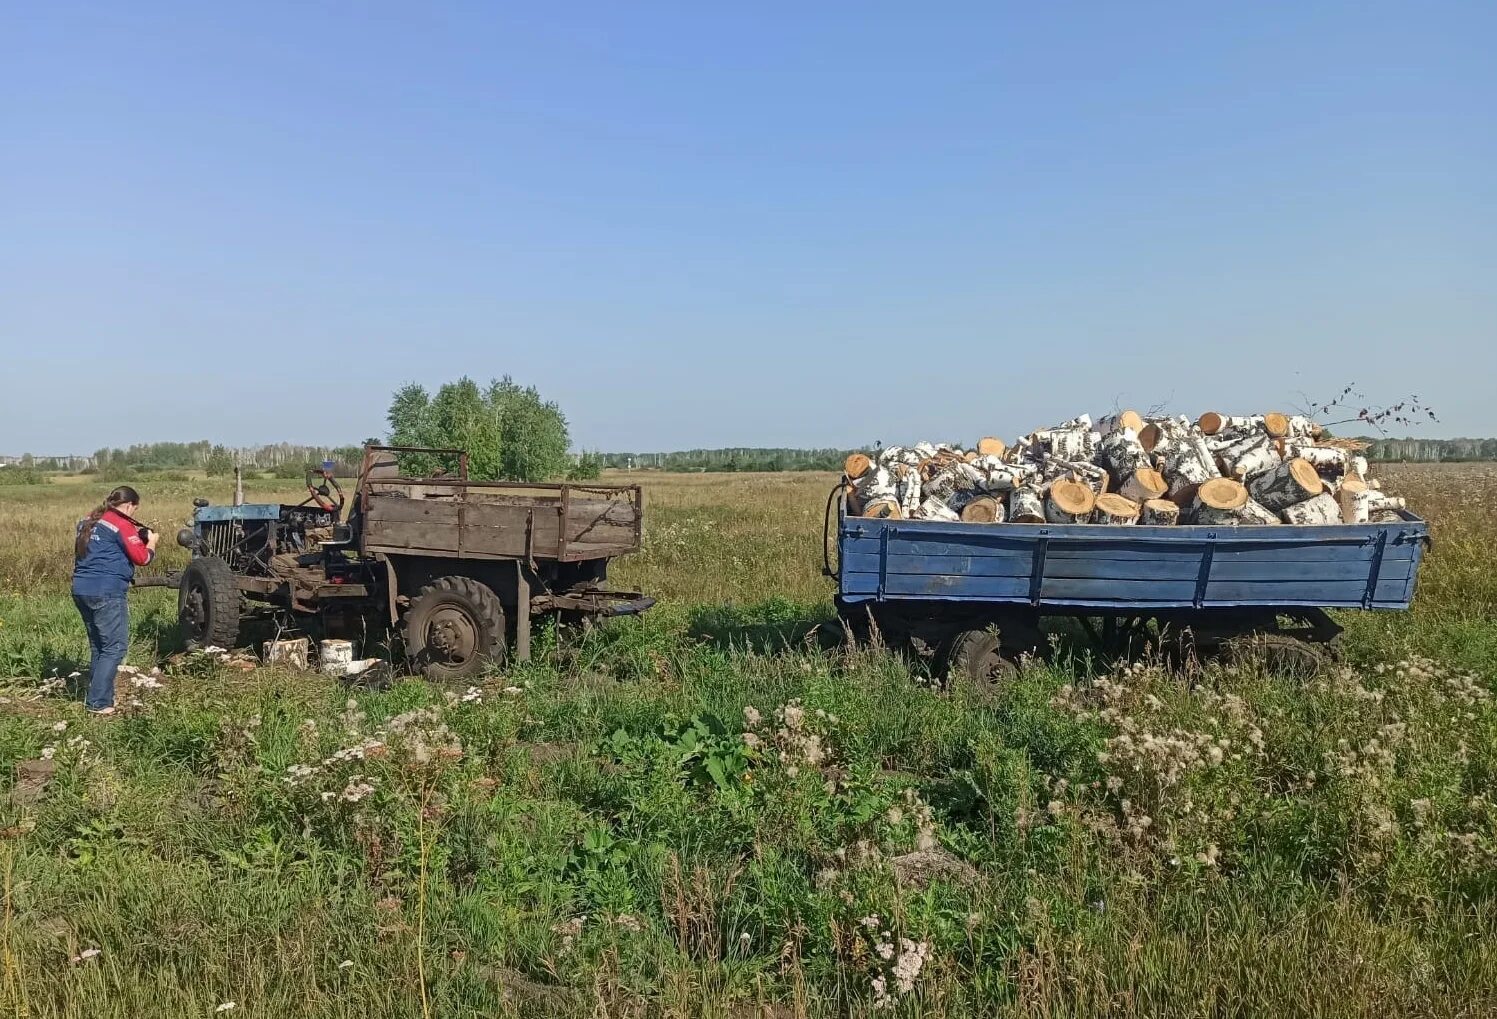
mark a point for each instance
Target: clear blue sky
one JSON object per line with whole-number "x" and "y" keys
{"x": 797, "y": 224}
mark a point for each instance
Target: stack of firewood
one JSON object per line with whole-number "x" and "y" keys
{"x": 1127, "y": 469}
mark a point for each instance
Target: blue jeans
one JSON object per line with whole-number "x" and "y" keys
{"x": 107, "y": 619}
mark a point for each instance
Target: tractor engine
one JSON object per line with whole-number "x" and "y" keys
{"x": 247, "y": 536}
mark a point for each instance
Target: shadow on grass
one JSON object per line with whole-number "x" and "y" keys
{"x": 765, "y": 628}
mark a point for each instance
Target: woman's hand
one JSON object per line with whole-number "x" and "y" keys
{"x": 151, "y": 540}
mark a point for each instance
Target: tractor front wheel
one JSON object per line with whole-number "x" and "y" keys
{"x": 208, "y": 604}
{"x": 454, "y": 627}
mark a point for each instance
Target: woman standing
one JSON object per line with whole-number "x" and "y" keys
{"x": 109, "y": 547}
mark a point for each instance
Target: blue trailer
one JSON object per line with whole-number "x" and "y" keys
{"x": 973, "y": 595}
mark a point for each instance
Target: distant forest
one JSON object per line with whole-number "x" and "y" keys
{"x": 771, "y": 459}
{"x": 290, "y": 459}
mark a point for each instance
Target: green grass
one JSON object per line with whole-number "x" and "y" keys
{"x": 696, "y": 813}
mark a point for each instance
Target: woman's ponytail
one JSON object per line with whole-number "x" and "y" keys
{"x": 118, "y": 497}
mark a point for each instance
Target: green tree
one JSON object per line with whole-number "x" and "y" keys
{"x": 508, "y": 431}
{"x": 220, "y": 462}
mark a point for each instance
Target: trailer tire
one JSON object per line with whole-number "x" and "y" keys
{"x": 454, "y": 628}
{"x": 1277, "y": 654}
{"x": 976, "y": 663}
{"x": 208, "y": 604}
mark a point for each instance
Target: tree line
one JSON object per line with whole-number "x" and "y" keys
{"x": 512, "y": 433}
{"x": 732, "y": 459}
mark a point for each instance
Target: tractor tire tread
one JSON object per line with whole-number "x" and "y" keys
{"x": 489, "y": 613}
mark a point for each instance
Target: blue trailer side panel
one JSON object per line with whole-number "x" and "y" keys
{"x": 1079, "y": 567}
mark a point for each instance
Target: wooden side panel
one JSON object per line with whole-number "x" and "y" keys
{"x": 495, "y": 525}
{"x": 1337, "y": 567}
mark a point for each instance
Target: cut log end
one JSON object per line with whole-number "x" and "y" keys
{"x": 1112, "y": 508}
{"x": 1144, "y": 484}
{"x": 983, "y": 510}
{"x": 857, "y": 465}
{"x": 1276, "y": 424}
{"x": 1222, "y": 494}
{"x": 990, "y": 446}
{"x": 1209, "y": 422}
{"x": 1072, "y": 497}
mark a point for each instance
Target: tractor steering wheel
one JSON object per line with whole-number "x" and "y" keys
{"x": 318, "y": 492}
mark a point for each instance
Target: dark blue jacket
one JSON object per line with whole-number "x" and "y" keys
{"x": 114, "y": 550}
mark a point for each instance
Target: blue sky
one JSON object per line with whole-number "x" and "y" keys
{"x": 776, "y": 224}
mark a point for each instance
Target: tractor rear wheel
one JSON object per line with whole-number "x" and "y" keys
{"x": 454, "y": 627}
{"x": 208, "y": 604}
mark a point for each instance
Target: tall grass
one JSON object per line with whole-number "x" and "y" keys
{"x": 700, "y": 813}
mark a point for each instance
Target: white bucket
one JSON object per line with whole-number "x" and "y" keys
{"x": 335, "y": 656}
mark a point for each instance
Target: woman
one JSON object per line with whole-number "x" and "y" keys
{"x": 109, "y": 547}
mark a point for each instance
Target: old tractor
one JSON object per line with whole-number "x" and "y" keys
{"x": 458, "y": 568}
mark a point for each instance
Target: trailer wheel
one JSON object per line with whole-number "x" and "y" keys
{"x": 454, "y": 627}
{"x": 208, "y": 604}
{"x": 1278, "y": 654}
{"x": 976, "y": 663}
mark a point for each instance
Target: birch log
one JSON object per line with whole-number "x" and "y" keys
{"x": 1025, "y": 506}
{"x": 1121, "y": 454}
{"x": 1247, "y": 457}
{"x": 1112, "y": 508}
{"x": 1143, "y": 484}
{"x": 1091, "y": 475}
{"x": 1378, "y": 502}
{"x": 1159, "y": 513}
{"x": 1186, "y": 467}
{"x": 853, "y": 500}
{"x": 1065, "y": 443}
{"x": 935, "y": 509}
{"x": 984, "y": 509}
{"x": 1323, "y": 509}
{"x": 1160, "y": 433}
{"x": 1129, "y": 419}
{"x": 907, "y": 487}
{"x": 1218, "y": 501}
{"x": 997, "y": 476}
{"x": 1212, "y": 423}
{"x": 990, "y": 446}
{"x": 1292, "y": 481}
{"x": 1329, "y": 460}
{"x": 1355, "y": 503}
{"x": 957, "y": 477}
{"x": 883, "y": 509}
{"x": 1069, "y": 502}
{"x": 876, "y": 484}
{"x": 857, "y": 465}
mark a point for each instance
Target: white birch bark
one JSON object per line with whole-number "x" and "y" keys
{"x": 934, "y": 509}
{"x": 1356, "y": 505}
{"x": 1159, "y": 513}
{"x": 1122, "y": 454}
{"x": 1323, "y": 509}
{"x": 1025, "y": 506}
{"x": 1292, "y": 481}
{"x": 1329, "y": 460}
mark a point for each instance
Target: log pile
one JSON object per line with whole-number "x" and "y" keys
{"x": 1220, "y": 470}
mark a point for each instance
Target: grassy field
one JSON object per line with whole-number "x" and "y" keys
{"x": 700, "y": 813}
